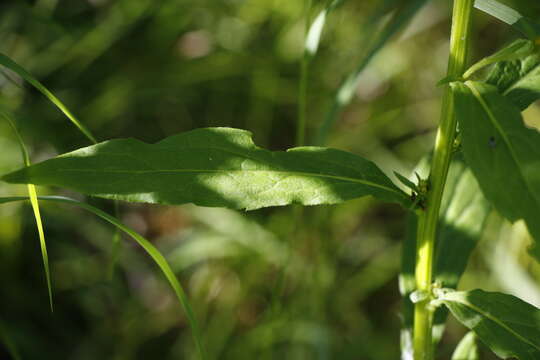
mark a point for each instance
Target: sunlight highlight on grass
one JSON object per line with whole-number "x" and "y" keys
{"x": 32, "y": 193}
{"x": 527, "y": 26}
{"x": 35, "y": 208}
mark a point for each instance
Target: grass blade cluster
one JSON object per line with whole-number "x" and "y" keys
{"x": 150, "y": 249}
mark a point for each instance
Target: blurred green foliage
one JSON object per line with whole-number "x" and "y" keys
{"x": 266, "y": 284}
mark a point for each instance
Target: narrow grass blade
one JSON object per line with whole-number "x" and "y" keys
{"x": 506, "y": 14}
{"x": 311, "y": 45}
{"x": 19, "y": 70}
{"x": 150, "y": 249}
{"x": 32, "y": 193}
{"x": 345, "y": 92}
{"x": 35, "y": 208}
{"x": 315, "y": 30}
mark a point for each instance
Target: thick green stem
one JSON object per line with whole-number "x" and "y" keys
{"x": 427, "y": 224}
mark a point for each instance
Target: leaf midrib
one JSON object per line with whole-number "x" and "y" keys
{"x": 298, "y": 173}
{"x": 450, "y": 298}
{"x": 229, "y": 151}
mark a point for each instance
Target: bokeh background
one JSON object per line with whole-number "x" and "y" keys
{"x": 263, "y": 285}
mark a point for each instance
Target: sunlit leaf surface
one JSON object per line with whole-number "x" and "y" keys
{"x": 213, "y": 167}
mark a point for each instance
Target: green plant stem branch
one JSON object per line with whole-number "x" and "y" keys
{"x": 427, "y": 224}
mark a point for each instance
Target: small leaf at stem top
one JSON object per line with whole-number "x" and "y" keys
{"x": 518, "y": 79}
{"x": 517, "y": 50}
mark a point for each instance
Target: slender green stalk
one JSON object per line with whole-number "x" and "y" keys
{"x": 302, "y": 95}
{"x": 297, "y": 210}
{"x": 427, "y": 225}
{"x": 116, "y": 245}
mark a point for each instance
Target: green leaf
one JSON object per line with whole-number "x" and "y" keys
{"x": 19, "y": 70}
{"x": 464, "y": 212}
{"x": 519, "y": 79}
{"x": 506, "y": 14}
{"x": 503, "y": 154}
{"x": 510, "y": 327}
{"x": 517, "y": 50}
{"x": 467, "y": 348}
{"x": 408, "y": 183}
{"x": 213, "y": 167}
{"x": 150, "y": 249}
